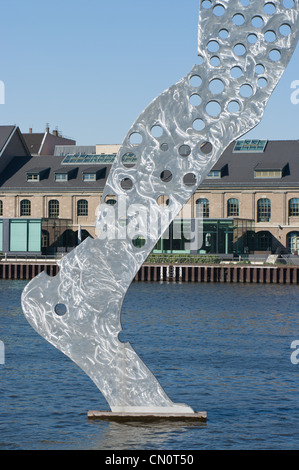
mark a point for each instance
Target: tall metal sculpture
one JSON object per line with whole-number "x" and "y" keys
{"x": 244, "y": 47}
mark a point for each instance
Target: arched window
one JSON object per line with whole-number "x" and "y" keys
{"x": 293, "y": 207}
{"x": 25, "y": 208}
{"x": 53, "y": 209}
{"x": 82, "y": 208}
{"x": 233, "y": 208}
{"x": 203, "y": 208}
{"x": 1, "y": 208}
{"x": 293, "y": 242}
{"x": 263, "y": 210}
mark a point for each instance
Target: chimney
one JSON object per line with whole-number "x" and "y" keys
{"x": 30, "y": 130}
{"x": 55, "y": 132}
{"x": 47, "y": 128}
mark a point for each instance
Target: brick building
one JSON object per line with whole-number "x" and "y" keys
{"x": 249, "y": 201}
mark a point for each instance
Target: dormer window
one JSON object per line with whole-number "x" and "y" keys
{"x": 89, "y": 177}
{"x": 214, "y": 174}
{"x": 268, "y": 173}
{"x": 33, "y": 177}
{"x": 61, "y": 177}
{"x": 37, "y": 174}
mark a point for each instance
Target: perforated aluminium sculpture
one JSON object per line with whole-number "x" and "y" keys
{"x": 244, "y": 47}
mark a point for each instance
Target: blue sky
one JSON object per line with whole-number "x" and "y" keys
{"x": 89, "y": 67}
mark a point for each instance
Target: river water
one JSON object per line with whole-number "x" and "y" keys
{"x": 220, "y": 348}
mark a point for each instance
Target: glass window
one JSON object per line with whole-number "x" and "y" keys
{"x": 61, "y": 177}
{"x": 82, "y": 208}
{"x": 25, "y": 208}
{"x": 32, "y": 177}
{"x": 89, "y": 177}
{"x": 264, "y": 241}
{"x": 294, "y": 207}
{"x": 214, "y": 174}
{"x": 34, "y": 235}
{"x": 1, "y": 208}
{"x": 202, "y": 208}
{"x": 233, "y": 208}
{"x": 263, "y": 210}
{"x": 293, "y": 242}
{"x": 53, "y": 209}
{"x": 268, "y": 174}
{"x": 18, "y": 235}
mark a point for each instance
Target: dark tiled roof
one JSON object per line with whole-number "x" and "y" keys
{"x": 238, "y": 170}
{"x": 34, "y": 142}
{"x": 5, "y": 132}
{"x": 14, "y": 176}
{"x": 279, "y": 154}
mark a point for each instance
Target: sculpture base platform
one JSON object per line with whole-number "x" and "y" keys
{"x": 200, "y": 416}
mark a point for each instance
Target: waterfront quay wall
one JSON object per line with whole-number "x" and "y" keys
{"x": 226, "y": 273}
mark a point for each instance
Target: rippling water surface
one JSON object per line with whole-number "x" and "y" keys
{"x": 220, "y": 348}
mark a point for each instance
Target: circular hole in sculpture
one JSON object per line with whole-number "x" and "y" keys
{"x": 257, "y": 21}
{"x": 219, "y": 10}
{"x": 126, "y": 184}
{"x": 111, "y": 199}
{"x": 245, "y": 3}
{"x": 198, "y": 125}
{"x": 262, "y": 82}
{"x": 238, "y": 19}
{"x": 138, "y": 241}
{"x": 259, "y": 69}
{"x": 269, "y": 8}
{"x": 195, "y": 100}
{"x": 164, "y": 147}
{"x": 195, "y": 81}
{"x": 156, "y": 131}
{"x": 185, "y": 150}
{"x": 215, "y": 61}
{"x": 60, "y": 309}
{"x": 288, "y": 3}
{"x": 216, "y": 86}
{"x": 270, "y": 36}
{"x": 234, "y": 107}
{"x": 252, "y": 38}
{"x": 213, "y": 46}
{"x": 236, "y": 72}
{"x": 166, "y": 176}
{"x": 223, "y": 33}
{"x": 274, "y": 55}
{"x": 189, "y": 179}
{"x": 123, "y": 221}
{"x": 285, "y": 30}
{"x": 239, "y": 50}
{"x": 213, "y": 108}
{"x": 206, "y": 4}
{"x": 206, "y": 148}
{"x": 246, "y": 91}
{"x": 163, "y": 201}
{"x": 136, "y": 138}
{"x": 128, "y": 160}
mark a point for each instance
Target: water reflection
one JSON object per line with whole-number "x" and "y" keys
{"x": 118, "y": 436}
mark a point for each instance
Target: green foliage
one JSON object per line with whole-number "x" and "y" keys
{"x": 164, "y": 258}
